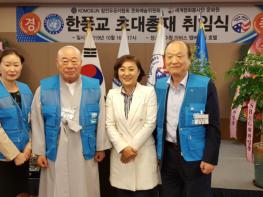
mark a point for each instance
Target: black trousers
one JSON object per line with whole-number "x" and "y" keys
{"x": 140, "y": 193}
{"x": 181, "y": 178}
{"x": 13, "y": 179}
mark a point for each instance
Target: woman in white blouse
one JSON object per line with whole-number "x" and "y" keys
{"x": 130, "y": 120}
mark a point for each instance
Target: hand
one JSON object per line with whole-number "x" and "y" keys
{"x": 20, "y": 159}
{"x": 206, "y": 168}
{"x": 99, "y": 156}
{"x": 42, "y": 161}
{"x": 127, "y": 154}
{"x": 27, "y": 151}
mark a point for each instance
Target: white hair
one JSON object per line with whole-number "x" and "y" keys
{"x": 61, "y": 50}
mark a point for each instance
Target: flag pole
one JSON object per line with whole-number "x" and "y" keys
{"x": 201, "y": 23}
{"x": 160, "y": 21}
{"x": 88, "y": 25}
{"x": 124, "y": 48}
{"x": 123, "y": 25}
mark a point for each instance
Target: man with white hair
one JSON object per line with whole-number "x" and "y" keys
{"x": 188, "y": 126}
{"x": 68, "y": 134}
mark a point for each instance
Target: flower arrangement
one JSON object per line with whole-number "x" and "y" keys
{"x": 249, "y": 83}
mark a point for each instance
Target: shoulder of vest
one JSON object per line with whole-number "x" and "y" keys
{"x": 23, "y": 87}
{"x": 3, "y": 90}
{"x": 88, "y": 82}
{"x": 50, "y": 82}
{"x": 199, "y": 76}
{"x": 198, "y": 79}
{"x": 161, "y": 83}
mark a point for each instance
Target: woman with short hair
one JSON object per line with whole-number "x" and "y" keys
{"x": 15, "y": 146}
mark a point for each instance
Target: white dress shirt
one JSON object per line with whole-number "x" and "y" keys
{"x": 174, "y": 103}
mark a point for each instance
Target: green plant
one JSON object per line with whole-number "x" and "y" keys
{"x": 4, "y": 42}
{"x": 248, "y": 74}
{"x": 201, "y": 67}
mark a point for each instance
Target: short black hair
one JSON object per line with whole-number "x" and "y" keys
{"x": 125, "y": 58}
{"x": 10, "y": 51}
{"x": 189, "y": 52}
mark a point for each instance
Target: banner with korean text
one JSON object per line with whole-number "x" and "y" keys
{"x": 222, "y": 24}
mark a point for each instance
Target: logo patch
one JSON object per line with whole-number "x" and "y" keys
{"x": 30, "y": 24}
{"x": 241, "y": 23}
{"x": 53, "y": 24}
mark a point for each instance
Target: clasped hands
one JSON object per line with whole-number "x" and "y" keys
{"x": 22, "y": 157}
{"x": 127, "y": 154}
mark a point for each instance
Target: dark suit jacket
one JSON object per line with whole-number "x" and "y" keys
{"x": 213, "y": 136}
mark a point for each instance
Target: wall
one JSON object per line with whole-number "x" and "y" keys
{"x": 40, "y": 61}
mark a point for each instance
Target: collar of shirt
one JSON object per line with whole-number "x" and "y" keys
{"x": 72, "y": 86}
{"x": 182, "y": 83}
{"x": 127, "y": 101}
{"x": 125, "y": 94}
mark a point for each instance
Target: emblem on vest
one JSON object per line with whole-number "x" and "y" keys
{"x": 93, "y": 117}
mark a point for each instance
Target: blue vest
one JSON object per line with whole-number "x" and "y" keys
{"x": 14, "y": 120}
{"x": 89, "y": 112}
{"x": 192, "y": 137}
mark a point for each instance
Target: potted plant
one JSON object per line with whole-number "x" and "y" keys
{"x": 249, "y": 82}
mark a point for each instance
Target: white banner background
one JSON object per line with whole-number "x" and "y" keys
{"x": 223, "y": 24}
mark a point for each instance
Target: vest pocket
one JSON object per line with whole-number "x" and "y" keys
{"x": 8, "y": 112}
{"x": 190, "y": 110}
{"x": 92, "y": 114}
{"x": 9, "y": 118}
{"x": 92, "y": 143}
{"x": 88, "y": 137}
{"x": 19, "y": 138}
{"x": 89, "y": 119}
{"x": 196, "y": 142}
{"x": 50, "y": 115}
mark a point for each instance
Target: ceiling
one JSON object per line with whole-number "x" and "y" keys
{"x": 127, "y": 1}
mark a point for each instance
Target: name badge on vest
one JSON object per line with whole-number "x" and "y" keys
{"x": 93, "y": 117}
{"x": 67, "y": 114}
{"x": 201, "y": 119}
